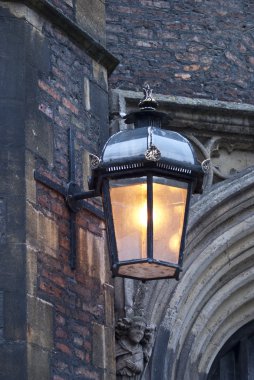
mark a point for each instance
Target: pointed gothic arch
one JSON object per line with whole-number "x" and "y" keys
{"x": 214, "y": 297}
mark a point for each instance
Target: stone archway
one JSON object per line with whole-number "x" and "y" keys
{"x": 214, "y": 297}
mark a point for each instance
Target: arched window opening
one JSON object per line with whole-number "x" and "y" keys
{"x": 235, "y": 360}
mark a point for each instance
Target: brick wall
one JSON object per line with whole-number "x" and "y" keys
{"x": 69, "y": 313}
{"x": 191, "y": 48}
{"x": 77, "y": 297}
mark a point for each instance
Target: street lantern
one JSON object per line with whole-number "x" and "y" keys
{"x": 146, "y": 176}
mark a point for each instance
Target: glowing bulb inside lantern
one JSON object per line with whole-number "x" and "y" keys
{"x": 142, "y": 215}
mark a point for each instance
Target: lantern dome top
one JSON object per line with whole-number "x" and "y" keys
{"x": 146, "y": 148}
{"x": 148, "y": 144}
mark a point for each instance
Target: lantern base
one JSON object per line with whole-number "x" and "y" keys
{"x": 147, "y": 271}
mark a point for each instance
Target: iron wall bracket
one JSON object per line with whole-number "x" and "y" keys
{"x": 74, "y": 197}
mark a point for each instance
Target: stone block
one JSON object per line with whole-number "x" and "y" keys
{"x": 91, "y": 255}
{"x": 87, "y": 103}
{"x": 109, "y": 304}
{"x": 99, "y": 107}
{"x": 38, "y": 363}
{"x": 100, "y": 75}
{"x": 39, "y": 323}
{"x": 86, "y": 170}
{"x": 39, "y": 138}
{"x": 103, "y": 349}
{"x": 31, "y": 271}
{"x": 29, "y": 176}
{"x": 91, "y": 17}
{"x": 99, "y": 346}
{"x": 42, "y": 232}
{"x": 110, "y": 353}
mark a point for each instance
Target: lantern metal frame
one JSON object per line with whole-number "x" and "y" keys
{"x": 143, "y": 168}
{"x": 115, "y": 263}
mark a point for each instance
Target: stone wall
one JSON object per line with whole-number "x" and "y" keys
{"x": 201, "y": 49}
{"x": 198, "y": 57}
{"x": 55, "y": 323}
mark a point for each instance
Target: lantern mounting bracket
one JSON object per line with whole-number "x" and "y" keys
{"x": 74, "y": 197}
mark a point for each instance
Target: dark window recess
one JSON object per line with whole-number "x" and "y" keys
{"x": 235, "y": 361}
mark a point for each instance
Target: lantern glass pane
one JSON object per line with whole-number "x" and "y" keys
{"x": 129, "y": 208}
{"x": 169, "y": 203}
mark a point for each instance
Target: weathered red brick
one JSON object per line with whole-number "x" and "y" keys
{"x": 60, "y": 320}
{"x": 82, "y": 330}
{"x": 44, "y": 86}
{"x": 61, "y": 333}
{"x": 70, "y": 106}
{"x": 87, "y": 345}
{"x": 63, "y": 348}
{"x": 50, "y": 289}
{"x": 60, "y": 209}
{"x": 57, "y": 279}
{"x": 81, "y": 290}
{"x": 191, "y": 67}
{"x": 43, "y": 200}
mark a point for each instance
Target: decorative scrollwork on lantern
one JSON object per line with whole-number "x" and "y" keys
{"x": 206, "y": 165}
{"x": 153, "y": 153}
{"x": 94, "y": 161}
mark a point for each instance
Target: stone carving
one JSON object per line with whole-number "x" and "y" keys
{"x": 134, "y": 342}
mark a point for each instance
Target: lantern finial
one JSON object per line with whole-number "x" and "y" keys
{"x": 148, "y": 102}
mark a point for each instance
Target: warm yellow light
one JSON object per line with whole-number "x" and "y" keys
{"x": 142, "y": 215}
{"x": 129, "y": 206}
{"x": 130, "y": 220}
{"x": 170, "y": 203}
{"x": 174, "y": 243}
{"x": 179, "y": 209}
